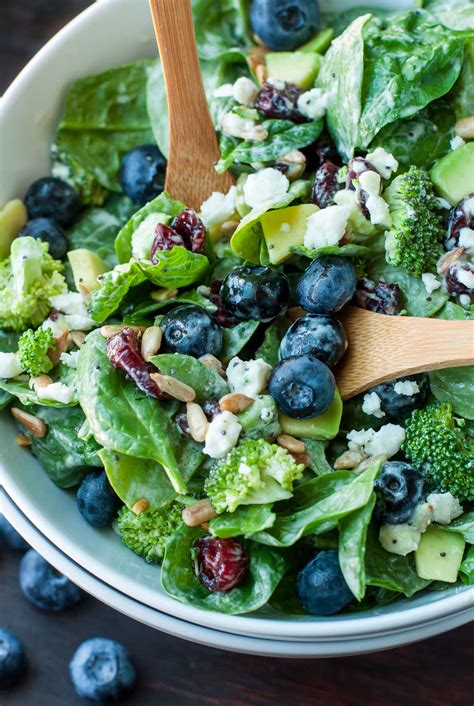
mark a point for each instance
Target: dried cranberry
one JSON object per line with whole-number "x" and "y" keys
{"x": 380, "y": 297}
{"x": 280, "y": 103}
{"x": 325, "y": 185}
{"x": 461, "y": 216}
{"x": 123, "y": 351}
{"x": 190, "y": 227}
{"x": 165, "y": 239}
{"x": 181, "y": 420}
{"x": 211, "y": 409}
{"x": 456, "y": 273}
{"x": 323, "y": 150}
{"x": 222, "y": 315}
{"x": 222, "y": 563}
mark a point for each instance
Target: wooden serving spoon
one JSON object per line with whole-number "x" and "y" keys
{"x": 381, "y": 348}
{"x": 190, "y": 173}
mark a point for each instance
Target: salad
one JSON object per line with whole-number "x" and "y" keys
{"x": 176, "y": 369}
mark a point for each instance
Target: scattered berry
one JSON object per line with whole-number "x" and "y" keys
{"x": 302, "y": 387}
{"x": 52, "y": 198}
{"x": 190, "y": 330}
{"x": 399, "y": 490}
{"x": 283, "y": 25}
{"x": 380, "y": 297}
{"x": 394, "y": 403}
{"x": 96, "y": 499}
{"x": 321, "y": 587}
{"x": 10, "y": 537}
{"x": 12, "y": 658}
{"x": 327, "y": 284}
{"x": 101, "y": 670}
{"x": 48, "y": 231}
{"x": 45, "y": 587}
{"x": 255, "y": 292}
{"x": 142, "y": 173}
{"x": 323, "y": 337}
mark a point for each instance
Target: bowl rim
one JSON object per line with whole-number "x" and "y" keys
{"x": 288, "y": 627}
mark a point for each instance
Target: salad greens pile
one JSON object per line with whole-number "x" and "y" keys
{"x": 356, "y": 147}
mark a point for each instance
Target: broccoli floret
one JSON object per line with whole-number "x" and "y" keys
{"x": 28, "y": 278}
{"x": 148, "y": 533}
{"x": 33, "y": 347}
{"x": 415, "y": 239}
{"x": 253, "y": 472}
{"x": 435, "y": 442}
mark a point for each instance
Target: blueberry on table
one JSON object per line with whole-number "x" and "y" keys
{"x": 255, "y": 292}
{"x": 302, "y": 387}
{"x": 48, "y": 231}
{"x": 101, "y": 670}
{"x": 45, "y": 587}
{"x": 327, "y": 284}
{"x": 222, "y": 563}
{"x": 53, "y": 198}
{"x": 96, "y": 499}
{"x": 10, "y": 537}
{"x": 400, "y": 397}
{"x": 283, "y": 25}
{"x": 190, "y": 330}
{"x": 142, "y": 173}
{"x": 12, "y": 658}
{"x": 323, "y": 337}
{"x": 399, "y": 490}
{"x": 321, "y": 587}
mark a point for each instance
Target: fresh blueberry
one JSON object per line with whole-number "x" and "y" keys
{"x": 283, "y": 25}
{"x": 255, "y": 292}
{"x": 101, "y": 670}
{"x": 97, "y": 500}
{"x": 190, "y": 330}
{"x": 323, "y": 337}
{"x": 10, "y": 537}
{"x": 142, "y": 173}
{"x": 52, "y": 198}
{"x": 12, "y": 658}
{"x": 45, "y": 587}
{"x": 396, "y": 403}
{"x": 48, "y": 231}
{"x": 302, "y": 386}
{"x": 327, "y": 284}
{"x": 321, "y": 587}
{"x": 399, "y": 490}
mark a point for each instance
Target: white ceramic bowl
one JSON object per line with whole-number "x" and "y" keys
{"x": 109, "y": 33}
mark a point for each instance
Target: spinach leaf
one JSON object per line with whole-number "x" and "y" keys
{"x": 349, "y": 250}
{"x": 8, "y": 344}
{"x": 143, "y": 311}
{"x": 121, "y": 417}
{"x": 352, "y": 537}
{"x": 247, "y": 239}
{"x": 455, "y": 385}
{"x": 466, "y": 570}
{"x": 114, "y": 286}
{"x": 20, "y": 388}
{"x": 317, "y": 454}
{"x": 135, "y": 478}
{"x": 234, "y": 339}
{"x": 65, "y": 457}
{"x": 283, "y": 136}
{"x": 269, "y": 350}
{"x": 341, "y": 76}
{"x": 97, "y": 228}
{"x": 390, "y": 571}
{"x": 464, "y": 525}
{"x": 422, "y": 139}
{"x": 456, "y": 14}
{"x": 205, "y": 381}
{"x": 464, "y": 89}
{"x": 266, "y": 568}
{"x": 222, "y": 29}
{"x": 285, "y": 598}
{"x": 104, "y": 117}
{"x": 416, "y": 300}
{"x": 161, "y": 204}
{"x": 318, "y": 508}
{"x": 245, "y": 521}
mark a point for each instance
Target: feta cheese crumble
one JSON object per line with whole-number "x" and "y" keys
{"x": 386, "y": 441}
{"x": 244, "y": 91}
{"x": 327, "y": 226}
{"x": 313, "y": 104}
{"x": 378, "y": 210}
{"x": 456, "y": 142}
{"x": 56, "y": 392}
{"x": 445, "y": 507}
{"x": 70, "y": 359}
{"x": 371, "y": 405}
{"x": 219, "y": 207}
{"x": 406, "y": 387}
{"x": 466, "y": 240}
{"x": 72, "y": 306}
{"x": 249, "y": 377}
{"x": 234, "y": 125}
{"x": 265, "y": 187}
{"x": 10, "y": 365}
{"x": 430, "y": 281}
{"x": 384, "y": 162}
{"x": 222, "y": 435}
{"x": 144, "y": 235}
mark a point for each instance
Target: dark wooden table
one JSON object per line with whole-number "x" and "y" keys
{"x": 437, "y": 672}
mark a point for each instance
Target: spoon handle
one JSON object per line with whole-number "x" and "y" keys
{"x": 193, "y": 149}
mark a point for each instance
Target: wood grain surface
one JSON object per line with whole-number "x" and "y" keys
{"x": 437, "y": 672}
